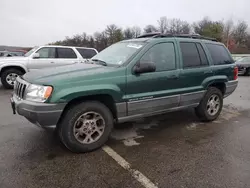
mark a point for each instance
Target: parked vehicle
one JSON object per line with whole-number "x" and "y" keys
{"x": 244, "y": 65}
{"x": 11, "y": 53}
{"x": 135, "y": 78}
{"x": 39, "y": 58}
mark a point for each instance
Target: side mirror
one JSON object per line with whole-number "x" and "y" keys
{"x": 144, "y": 66}
{"x": 36, "y": 55}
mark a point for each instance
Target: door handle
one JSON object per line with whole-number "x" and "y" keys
{"x": 52, "y": 62}
{"x": 173, "y": 77}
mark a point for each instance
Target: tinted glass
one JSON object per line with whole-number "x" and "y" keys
{"x": 163, "y": 55}
{"x": 47, "y": 52}
{"x": 219, "y": 54}
{"x": 86, "y": 53}
{"x": 65, "y": 53}
{"x": 202, "y": 54}
{"x": 190, "y": 55}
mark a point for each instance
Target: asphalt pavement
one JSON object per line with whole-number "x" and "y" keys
{"x": 171, "y": 150}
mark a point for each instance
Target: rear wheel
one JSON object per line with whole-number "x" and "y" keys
{"x": 247, "y": 72}
{"x": 8, "y": 77}
{"x": 211, "y": 105}
{"x": 86, "y": 127}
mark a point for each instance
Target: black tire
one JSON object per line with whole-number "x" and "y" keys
{"x": 201, "y": 110}
{"x": 66, "y": 126}
{"x": 247, "y": 72}
{"x": 5, "y": 73}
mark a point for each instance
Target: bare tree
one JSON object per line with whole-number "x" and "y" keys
{"x": 112, "y": 32}
{"x": 240, "y": 32}
{"x": 101, "y": 40}
{"x": 163, "y": 24}
{"x": 177, "y": 26}
{"x": 228, "y": 31}
{"x": 150, "y": 29}
{"x": 136, "y": 31}
{"x": 128, "y": 33}
{"x": 201, "y": 25}
{"x": 248, "y": 41}
{"x": 209, "y": 28}
{"x": 225, "y": 32}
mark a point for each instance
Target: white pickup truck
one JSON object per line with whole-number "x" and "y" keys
{"x": 41, "y": 57}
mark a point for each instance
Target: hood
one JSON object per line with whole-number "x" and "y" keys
{"x": 13, "y": 59}
{"x": 242, "y": 63}
{"x": 66, "y": 74}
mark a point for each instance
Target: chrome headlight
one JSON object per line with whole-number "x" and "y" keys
{"x": 38, "y": 93}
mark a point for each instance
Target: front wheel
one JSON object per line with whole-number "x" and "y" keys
{"x": 211, "y": 105}
{"x": 86, "y": 126}
{"x": 9, "y": 76}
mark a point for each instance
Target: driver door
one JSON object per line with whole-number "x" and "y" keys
{"x": 46, "y": 59}
{"x": 155, "y": 91}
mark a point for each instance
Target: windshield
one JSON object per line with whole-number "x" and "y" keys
{"x": 31, "y": 51}
{"x": 118, "y": 53}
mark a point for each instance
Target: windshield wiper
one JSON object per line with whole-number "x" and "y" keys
{"x": 100, "y": 62}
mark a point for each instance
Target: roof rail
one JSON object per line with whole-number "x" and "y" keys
{"x": 160, "y": 35}
{"x": 149, "y": 35}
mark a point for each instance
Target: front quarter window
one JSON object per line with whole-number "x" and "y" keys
{"x": 119, "y": 53}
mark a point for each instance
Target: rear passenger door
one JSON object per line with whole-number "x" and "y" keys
{"x": 195, "y": 69}
{"x": 223, "y": 63}
{"x": 65, "y": 56}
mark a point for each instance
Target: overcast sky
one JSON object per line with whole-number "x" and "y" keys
{"x": 38, "y": 22}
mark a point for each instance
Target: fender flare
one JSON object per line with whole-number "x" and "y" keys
{"x": 13, "y": 65}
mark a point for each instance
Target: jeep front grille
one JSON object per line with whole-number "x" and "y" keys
{"x": 20, "y": 87}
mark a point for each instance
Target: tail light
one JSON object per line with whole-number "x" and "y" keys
{"x": 236, "y": 73}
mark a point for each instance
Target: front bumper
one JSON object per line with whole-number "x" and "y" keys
{"x": 42, "y": 114}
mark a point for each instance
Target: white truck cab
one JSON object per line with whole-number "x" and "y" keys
{"x": 39, "y": 58}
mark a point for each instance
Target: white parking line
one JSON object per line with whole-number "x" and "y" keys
{"x": 135, "y": 173}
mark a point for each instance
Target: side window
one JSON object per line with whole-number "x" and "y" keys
{"x": 219, "y": 54}
{"x": 86, "y": 53}
{"x": 163, "y": 55}
{"x": 66, "y": 53}
{"x": 47, "y": 52}
{"x": 190, "y": 55}
{"x": 202, "y": 54}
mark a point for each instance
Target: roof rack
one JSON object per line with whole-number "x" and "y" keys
{"x": 149, "y": 35}
{"x": 160, "y": 35}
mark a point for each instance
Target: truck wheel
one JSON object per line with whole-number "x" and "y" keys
{"x": 247, "y": 72}
{"x": 211, "y": 105}
{"x": 86, "y": 126}
{"x": 8, "y": 77}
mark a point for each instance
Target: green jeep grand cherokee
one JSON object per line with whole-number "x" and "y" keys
{"x": 135, "y": 78}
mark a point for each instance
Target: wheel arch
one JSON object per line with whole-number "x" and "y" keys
{"x": 105, "y": 99}
{"x": 218, "y": 82}
{"x": 219, "y": 85}
{"x": 18, "y": 67}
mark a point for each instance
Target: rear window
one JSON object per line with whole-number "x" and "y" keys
{"x": 65, "y": 53}
{"x": 86, "y": 53}
{"x": 219, "y": 54}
